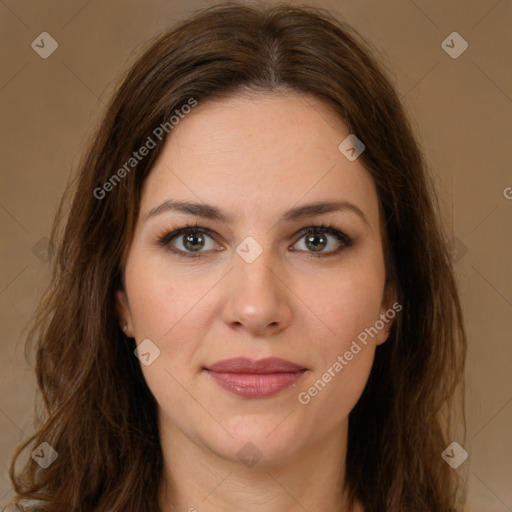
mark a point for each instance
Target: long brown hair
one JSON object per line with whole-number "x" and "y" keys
{"x": 99, "y": 414}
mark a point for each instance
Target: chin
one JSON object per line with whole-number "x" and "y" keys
{"x": 254, "y": 442}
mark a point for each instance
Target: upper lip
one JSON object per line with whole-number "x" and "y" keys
{"x": 261, "y": 366}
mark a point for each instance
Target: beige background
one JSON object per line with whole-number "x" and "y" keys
{"x": 461, "y": 110}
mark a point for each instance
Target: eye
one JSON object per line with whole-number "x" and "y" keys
{"x": 188, "y": 241}
{"x": 318, "y": 238}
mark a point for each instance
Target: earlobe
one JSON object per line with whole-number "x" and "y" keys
{"x": 383, "y": 335}
{"x": 123, "y": 313}
{"x": 387, "y": 315}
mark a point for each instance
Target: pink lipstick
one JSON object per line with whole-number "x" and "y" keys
{"x": 252, "y": 378}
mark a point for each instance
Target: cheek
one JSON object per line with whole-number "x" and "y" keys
{"x": 159, "y": 298}
{"x": 344, "y": 355}
{"x": 333, "y": 392}
{"x": 347, "y": 304}
{"x": 164, "y": 309}
{"x": 348, "y": 307}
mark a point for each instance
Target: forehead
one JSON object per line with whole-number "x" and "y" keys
{"x": 259, "y": 154}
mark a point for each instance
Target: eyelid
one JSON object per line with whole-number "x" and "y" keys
{"x": 329, "y": 229}
{"x": 173, "y": 233}
{"x": 344, "y": 239}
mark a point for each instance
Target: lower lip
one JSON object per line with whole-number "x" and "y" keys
{"x": 255, "y": 385}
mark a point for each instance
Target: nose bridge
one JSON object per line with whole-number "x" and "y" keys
{"x": 254, "y": 269}
{"x": 256, "y": 297}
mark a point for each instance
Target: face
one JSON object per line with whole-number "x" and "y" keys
{"x": 256, "y": 276}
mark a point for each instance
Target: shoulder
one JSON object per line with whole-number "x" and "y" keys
{"x": 26, "y": 506}
{"x": 358, "y": 507}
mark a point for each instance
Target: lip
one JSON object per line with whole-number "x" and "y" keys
{"x": 252, "y": 378}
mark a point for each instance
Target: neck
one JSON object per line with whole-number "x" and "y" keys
{"x": 197, "y": 479}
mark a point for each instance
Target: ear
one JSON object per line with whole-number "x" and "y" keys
{"x": 388, "y": 311}
{"x": 123, "y": 313}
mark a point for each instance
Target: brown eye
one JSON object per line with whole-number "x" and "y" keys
{"x": 193, "y": 241}
{"x": 189, "y": 241}
{"x": 318, "y": 241}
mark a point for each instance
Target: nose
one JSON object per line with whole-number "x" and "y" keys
{"x": 258, "y": 300}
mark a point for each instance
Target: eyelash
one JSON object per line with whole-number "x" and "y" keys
{"x": 165, "y": 240}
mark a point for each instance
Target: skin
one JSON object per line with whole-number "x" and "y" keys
{"x": 255, "y": 157}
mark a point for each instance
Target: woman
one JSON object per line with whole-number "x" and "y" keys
{"x": 253, "y": 305}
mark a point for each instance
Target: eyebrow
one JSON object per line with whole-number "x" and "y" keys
{"x": 208, "y": 211}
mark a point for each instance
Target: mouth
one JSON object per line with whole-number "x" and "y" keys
{"x": 252, "y": 378}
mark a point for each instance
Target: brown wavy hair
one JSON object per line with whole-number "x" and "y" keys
{"x": 98, "y": 412}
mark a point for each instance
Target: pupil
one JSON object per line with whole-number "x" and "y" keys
{"x": 189, "y": 241}
{"x": 313, "y": 238}
{"x": 317, "y": 241}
